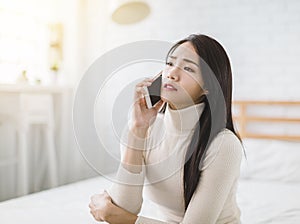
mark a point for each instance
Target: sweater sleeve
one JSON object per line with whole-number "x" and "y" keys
{"x": 126, "y": 192}
{"x": 215, "y": 184}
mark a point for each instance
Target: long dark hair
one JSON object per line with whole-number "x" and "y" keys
{"x": 217, "y": 76}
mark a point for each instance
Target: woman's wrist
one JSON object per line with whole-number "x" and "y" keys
{"x": 120, "y": 216}
{"x": 131, "y": 218}
{"x": 140, "y": 132}
{"x": 132, "y": 159}
{"x": 136, "y": 138}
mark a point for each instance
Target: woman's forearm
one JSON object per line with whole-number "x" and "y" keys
{"x": 133, "y": 155}
{"x": 121, "y": 216}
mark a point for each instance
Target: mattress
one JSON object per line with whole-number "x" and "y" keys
{"x": 269, "y": 185}
{"x": 62, "y": 205}
{"x": 268, "y": 192}
{"x": 266, "y": 202}
{"x": 260, "y": 202}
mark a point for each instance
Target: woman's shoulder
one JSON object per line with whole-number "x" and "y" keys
{"x": 227, "y": 136}
{"x": 226, "y": 143}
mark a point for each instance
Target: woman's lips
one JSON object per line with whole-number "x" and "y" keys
{"x": 170, "y": 87}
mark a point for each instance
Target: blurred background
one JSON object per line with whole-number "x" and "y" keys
{"x": 47, "y": 46}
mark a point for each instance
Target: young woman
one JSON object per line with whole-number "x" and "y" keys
{"x": 183, "y": 154}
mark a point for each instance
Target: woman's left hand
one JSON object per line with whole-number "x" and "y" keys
{"x": 101, "y": 206}
{"x": 103, "y": 209}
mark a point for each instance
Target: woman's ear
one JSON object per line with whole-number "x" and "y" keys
{"x": 205, "y": 92}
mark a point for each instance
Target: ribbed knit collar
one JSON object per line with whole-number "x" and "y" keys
{"x": 183, "y": 120}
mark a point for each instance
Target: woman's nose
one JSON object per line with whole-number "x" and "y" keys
{"x": 173, "y": 73}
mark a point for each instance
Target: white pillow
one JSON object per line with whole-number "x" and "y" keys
{"x": 271, "y": 160}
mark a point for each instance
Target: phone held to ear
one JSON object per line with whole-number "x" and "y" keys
{"x": 153, "y": 92}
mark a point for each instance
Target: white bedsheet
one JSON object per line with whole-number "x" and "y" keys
{"x": 260, "y": 202}
{"x": 62, "y": 205}
{"x": 269, "y": 190}
{"x": 266, "y": 202}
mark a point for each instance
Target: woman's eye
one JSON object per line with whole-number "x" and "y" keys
{"x": 169, "y": 63}
{"x": 188, "y": 69}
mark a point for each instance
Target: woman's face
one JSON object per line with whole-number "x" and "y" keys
{"x": 182, "y": 80}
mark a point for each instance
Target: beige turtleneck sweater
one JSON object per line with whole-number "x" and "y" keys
{"x": 161, "y": 179}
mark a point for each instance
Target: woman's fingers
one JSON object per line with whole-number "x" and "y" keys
{"x": 107, "y": 195}
{"x": 141, "y": 114}
{"x": 139, "y": 88}
{"x": 94, "y": 199}
{"x": 158, "y": 105}
{"x": 92, "y": 211}
{"x": 97, "y": 205}
{"x": 140, "y": 96}
{"x": 145, "y": 82}
{"x": 140, "y": 91}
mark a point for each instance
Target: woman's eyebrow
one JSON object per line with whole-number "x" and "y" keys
{"x": 188, "y": 60}
{"x": 185, "y": 59}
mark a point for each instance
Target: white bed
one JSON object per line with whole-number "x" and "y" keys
{"x": 269, "y": 186}
{"x": 268, "y": 191}
{"x": 65, "y": 204}
{"x": 262, "y": 200}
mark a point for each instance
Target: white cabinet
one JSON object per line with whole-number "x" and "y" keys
{"x": 35, "y": 138}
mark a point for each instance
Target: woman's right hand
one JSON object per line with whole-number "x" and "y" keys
{"x": 142, "y": 116}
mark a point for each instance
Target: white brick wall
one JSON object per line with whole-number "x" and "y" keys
{"x": 260, "y": 36}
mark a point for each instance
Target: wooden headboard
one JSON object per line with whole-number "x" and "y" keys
{"x": 276, "y": 116}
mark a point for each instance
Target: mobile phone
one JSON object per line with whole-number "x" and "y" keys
{"x": 153, "y": 92}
